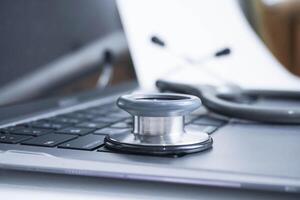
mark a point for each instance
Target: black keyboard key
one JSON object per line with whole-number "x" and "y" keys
{"x": 4, "y": 130}
{"x": 48, "y": 125}
{"x": 106, "y": 119}
{"x": 203, "y": 128}
{"x": 49, "y": 140}
{"x": 207, "y": 120}
{"x": 81, "y": 115}
{"x": 66, "y": 120}
{"x": 111, "y": 131}
{"x": 88, "y": 142}
{"x": 41, "y": 124}
{"x": 10, "y": 129}
{"x": 94, "y": 125}
{"x": 24, "y": 124}
{"x": 31, "y": 131}
{"x": 75, "y": 130}
{"x": 13, "y": 139}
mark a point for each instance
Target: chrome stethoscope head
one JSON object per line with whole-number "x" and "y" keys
{"x": 158, "y": 125}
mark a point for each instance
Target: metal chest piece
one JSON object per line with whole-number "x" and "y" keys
{"x": 158, "y": 126}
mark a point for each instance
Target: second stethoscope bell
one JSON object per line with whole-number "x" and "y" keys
{"x": 158, "y": 126}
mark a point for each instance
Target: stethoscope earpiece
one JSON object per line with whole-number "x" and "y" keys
{"x": 158, "y": 126}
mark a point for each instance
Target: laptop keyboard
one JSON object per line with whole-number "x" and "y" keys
{"x": 86, "y": 129}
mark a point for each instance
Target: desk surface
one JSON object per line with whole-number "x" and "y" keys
{"x": 27, "y": 185}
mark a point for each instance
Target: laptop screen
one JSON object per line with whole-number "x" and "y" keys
{"x": 54, "y": 48}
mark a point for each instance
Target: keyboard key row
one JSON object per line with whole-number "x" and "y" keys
{"x": 13, "y": 139}
{"x": 30, "y": 131}
{"x": 80, "y": 139}
{"x": 94, "y": 125}
{"x": 66, "y": 120}
{"x": 86, "y": 129}
{"x": 48, "y": 125}
{"x": 87, "y": 142}
{"x": 106, "y": 119}
{"x": 49, "y": 140}
{"x": 76, "y": 131}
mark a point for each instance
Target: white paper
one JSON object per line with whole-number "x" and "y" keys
{"x": 197, "y": 28}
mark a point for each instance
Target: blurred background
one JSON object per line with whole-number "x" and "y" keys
{"x": 36, "y": 32}
{"x": 53, "y": 47}
{"x": 39, "y": 35}
{"x": 277, "y": 22}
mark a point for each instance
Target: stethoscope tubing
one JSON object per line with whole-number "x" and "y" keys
{"x": 212, "y": 100}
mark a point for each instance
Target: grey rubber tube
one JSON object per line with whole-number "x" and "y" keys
{"x": 213, "y": 101}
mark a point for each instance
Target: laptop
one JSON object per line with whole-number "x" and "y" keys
{"x": 55, "y": 116}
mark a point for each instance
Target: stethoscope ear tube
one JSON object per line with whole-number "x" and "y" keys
{"x": 212, "y": 100}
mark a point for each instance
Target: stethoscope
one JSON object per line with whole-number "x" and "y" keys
{"x": 158, "y": 126}
{"x": 158, "y": 119}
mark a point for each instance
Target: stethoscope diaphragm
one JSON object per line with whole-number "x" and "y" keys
{"x": 158, "y": 126}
